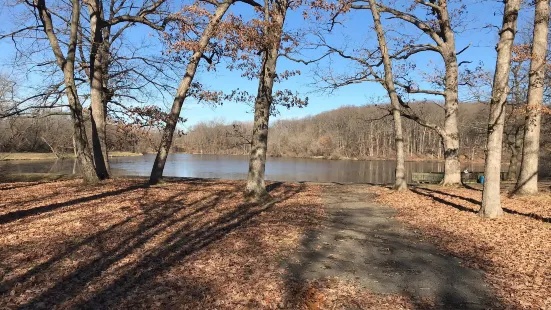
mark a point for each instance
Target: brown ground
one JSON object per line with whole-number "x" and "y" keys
{"x": 186, "y": 244}
{"x": 514, "y": 251}
{"x": 192, "y": 244}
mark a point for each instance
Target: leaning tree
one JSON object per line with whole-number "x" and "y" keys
{"x": 193, "y": 41}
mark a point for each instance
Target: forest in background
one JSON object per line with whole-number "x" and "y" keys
{"x": 350, "y": 132}
{"x": 347, "y": 132}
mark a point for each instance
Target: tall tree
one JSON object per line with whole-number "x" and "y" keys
{"x": 124, "y": 15}
{"x": 274, "y": 19}
{"x": 491, "y": 197}
{"x": 66, "y": 63}
{"x": 98, "y": 106}
{"x": 108, "y": 70}
{"x": 442, "y": 33}
{"x": 439, "y": 28}
{"x": 527, "y": 182}
{"x": 400, "y": 182}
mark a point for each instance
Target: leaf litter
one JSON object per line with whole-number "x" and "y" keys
{"x": 185, "y": 245}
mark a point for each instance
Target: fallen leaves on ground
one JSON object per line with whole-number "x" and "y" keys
{"x": 514, "y": 251}
{"x": 190, "y": 244}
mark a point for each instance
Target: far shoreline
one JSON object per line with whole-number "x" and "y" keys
{"x": 336, "y": 158}
{"x": 50, "y": 156}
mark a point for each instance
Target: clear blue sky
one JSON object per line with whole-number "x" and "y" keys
{"x": 355, "y": 32}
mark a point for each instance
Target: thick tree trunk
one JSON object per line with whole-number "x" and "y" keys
{"x": 528, "y": 179}
{"x": 98, "y": 110}
{"x": 400, "y": 182}
{"x": 67, "y": 66}
{"x": 181, "y": 94}
{"x": 452, "y": 167}
{"x": 256, "y": 189}
{"x": 84, "y": 155}
{"x": 491, "y": 194}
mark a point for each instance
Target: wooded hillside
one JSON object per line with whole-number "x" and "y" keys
{"x": 348, "y": 132}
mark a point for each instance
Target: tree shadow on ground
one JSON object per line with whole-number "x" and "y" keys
{"x": 20, "y": 214}
{"x": 104, "y": 277}
{"x": 427, "y": 193}
{"x": 360, "y": 242}
{"x": 17, "y": 186}
{"x": 430, "y": 193}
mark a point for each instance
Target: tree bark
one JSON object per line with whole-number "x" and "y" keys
{"x": 256, "y": 189}
{"x": 527, "y": 182}
{"x": 67, "y": 66}
{"x": 452, "y": 167}
{"x": 400, "y": 182}
{"x": 491, "y": 194}
{"x": 181, "y": 93}
{"x": 98, "y": 108}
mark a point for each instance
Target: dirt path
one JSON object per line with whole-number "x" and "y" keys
{"x": 362, "y": 242}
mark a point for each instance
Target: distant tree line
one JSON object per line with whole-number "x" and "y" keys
{"x": 350, "y": 132}
{"x": 347, "y": 132}
{"x": 49, "y": 133}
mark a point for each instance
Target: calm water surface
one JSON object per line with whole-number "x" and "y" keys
{"x": 235, "y": 167}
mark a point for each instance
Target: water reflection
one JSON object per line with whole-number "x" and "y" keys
{"x": 235, "y": 167}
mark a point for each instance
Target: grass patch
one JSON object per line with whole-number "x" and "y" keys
{"x": 51, "y": 156}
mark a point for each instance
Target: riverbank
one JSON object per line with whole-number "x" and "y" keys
{"x": 338, "y": 157}
{"x": 51, "y": 156}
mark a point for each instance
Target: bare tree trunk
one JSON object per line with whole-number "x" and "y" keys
{"x": 527, "y": 182}
{"x": 67, "y": 65}
{"x": 400, "y": 183}
{"x": 256, "y": 189}
{"x": 452, "y": 167}
{"x": 98, "y": 109}
{"x": 491, "y": 194}
{"x": 181, "y": 93}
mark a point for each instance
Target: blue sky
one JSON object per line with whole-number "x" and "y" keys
{"x": 355, "y": 32}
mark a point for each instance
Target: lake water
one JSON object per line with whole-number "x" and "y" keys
{"x": 235, "y": 167}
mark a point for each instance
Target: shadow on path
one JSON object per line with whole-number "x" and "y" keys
{"x": 361, "y": 242}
